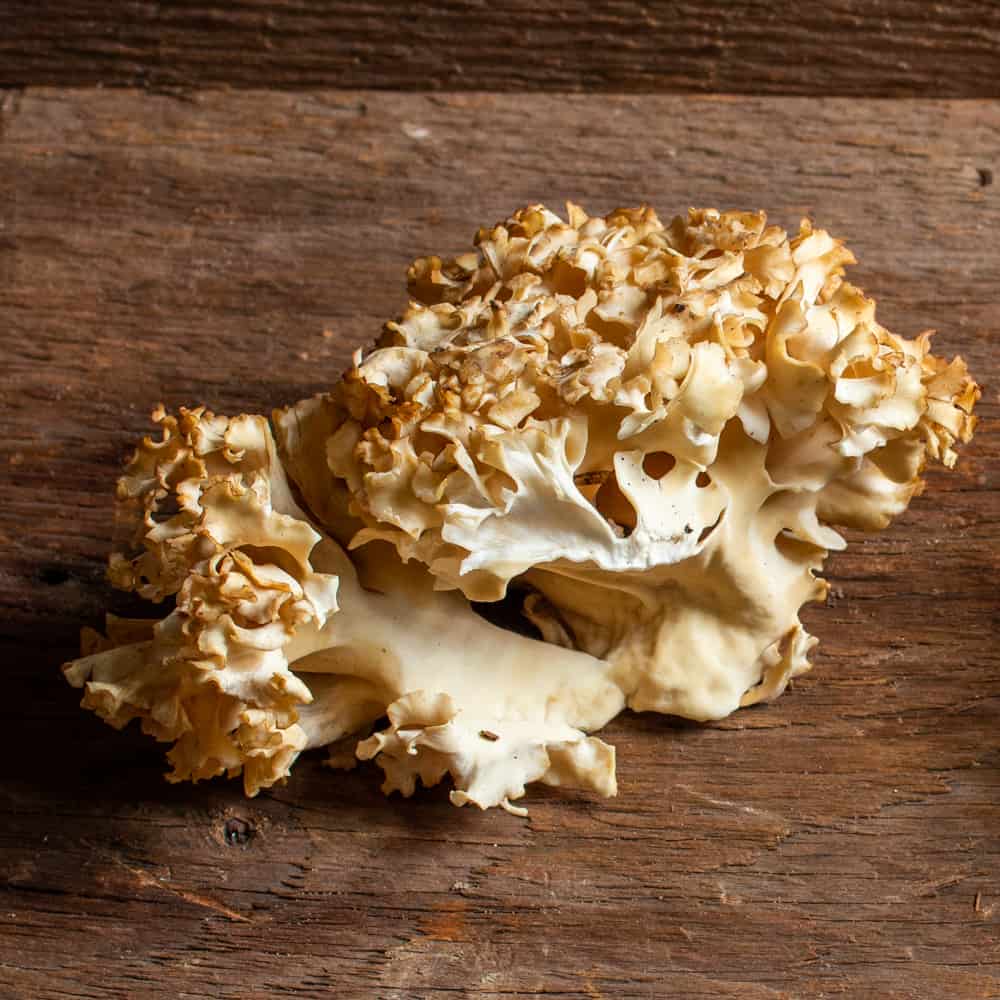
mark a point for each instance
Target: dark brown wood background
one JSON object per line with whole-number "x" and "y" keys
{"x": 861, "y": 48}
{"x": 168, "y": 233}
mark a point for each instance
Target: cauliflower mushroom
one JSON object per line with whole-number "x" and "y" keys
{"x": 648, "y": 433}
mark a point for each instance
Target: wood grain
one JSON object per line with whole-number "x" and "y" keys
{"x": 839, "y": 47}
{"x": 234, "y": 248}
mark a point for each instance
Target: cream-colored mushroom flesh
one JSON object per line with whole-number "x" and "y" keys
{"x": 645, "y": 434}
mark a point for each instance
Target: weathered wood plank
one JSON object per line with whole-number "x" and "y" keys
{"x": 845, "y": 47}
{"x": 841, "y": 842}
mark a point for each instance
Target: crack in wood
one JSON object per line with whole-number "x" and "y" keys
{"x": 145, "y": 880}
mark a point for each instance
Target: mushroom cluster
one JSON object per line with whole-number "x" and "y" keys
{"x": 645, "y": 434}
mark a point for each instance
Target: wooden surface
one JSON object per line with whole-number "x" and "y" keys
{"x": 865, "y": 48}
{"x": 234, "y": 248}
